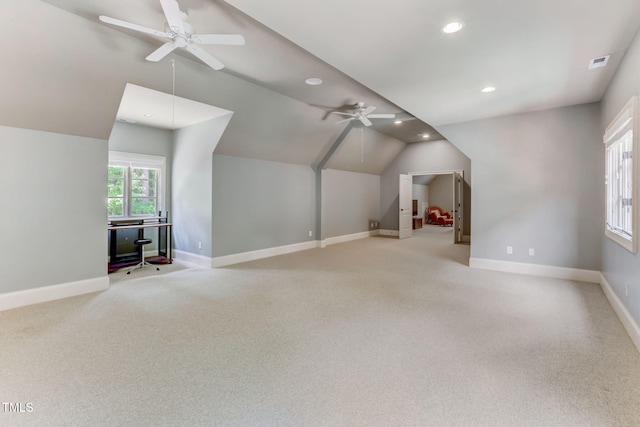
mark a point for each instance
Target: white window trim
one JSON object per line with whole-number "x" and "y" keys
{"x": 120, "y": 158}
{"x": 627, "y": 118}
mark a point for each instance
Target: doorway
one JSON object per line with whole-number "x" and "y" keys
{"x": 430, "y": 189}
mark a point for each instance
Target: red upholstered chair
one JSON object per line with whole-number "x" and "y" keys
{"x": 439, "y": 216}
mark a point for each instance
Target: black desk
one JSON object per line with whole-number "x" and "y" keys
{"x": 136, "y": 226}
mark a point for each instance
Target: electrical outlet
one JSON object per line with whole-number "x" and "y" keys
{"x": 199, "y": 245}
{"x": 310, "y": 233}
{"x": 509, "y": 250}
{"x": 531, "y": 252}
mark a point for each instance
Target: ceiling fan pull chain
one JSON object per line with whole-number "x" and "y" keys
{"x": 361, "y": 145}
{"x": 173, "y": 97}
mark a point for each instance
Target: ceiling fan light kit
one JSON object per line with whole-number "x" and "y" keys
{"x": 180, "y": 35}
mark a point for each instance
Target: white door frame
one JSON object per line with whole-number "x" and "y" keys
{"x": 458, "y": 206}
{"x": 405, "y": 210}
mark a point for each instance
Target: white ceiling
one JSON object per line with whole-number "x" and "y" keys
{"x": 266, "y": 59}
{"x": 65, "y": 70}
{"x": 147, "y": 107}
{"x": 535, "y": 52}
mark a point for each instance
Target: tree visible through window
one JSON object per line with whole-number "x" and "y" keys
{"x": 620, "y": 169}
{"x": 134, "y": 187}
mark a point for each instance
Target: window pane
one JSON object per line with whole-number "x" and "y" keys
{"x": 143, "y": 206}
{"x": 137, "y": 173}
{"x": 143, "y": 173}
{"x": 152, "y": 185}
{"x": 116, "y": 187}
{"x": 115, "y": 207}
{"x": 619, "y": 180}
{"x": 116, "y": 172}
{"x": 140, "y": 188}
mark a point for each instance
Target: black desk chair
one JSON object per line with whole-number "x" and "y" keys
{"x": 142, "y": 263}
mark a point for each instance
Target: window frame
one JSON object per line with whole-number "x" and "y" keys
{"x": 142, "y": 161}
{"x": 625, "y": 122}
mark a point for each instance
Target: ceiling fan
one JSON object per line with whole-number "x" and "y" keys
{"x": 362, "y": 113}
{"x": 180, "y": 35}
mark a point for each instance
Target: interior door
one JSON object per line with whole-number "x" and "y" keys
{"x": 405, "y": 200}
{"x": 458, "y": 206}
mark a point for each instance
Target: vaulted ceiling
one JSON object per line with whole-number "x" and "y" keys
{"x": 534, "y": 52}
{"x": 65, "y": 71}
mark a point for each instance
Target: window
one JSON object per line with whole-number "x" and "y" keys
{"x": 135, "y": 185}
{"x": 620, "y": 177}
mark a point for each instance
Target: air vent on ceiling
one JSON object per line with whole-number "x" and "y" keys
{"x": 598, "y": 62}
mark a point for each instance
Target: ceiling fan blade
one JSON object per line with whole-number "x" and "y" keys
{"x": 381, "y": 116}
{"x": 365, "y": 121}
{"x": 135, "y": 27}
{"x": 205, "y": 57}
{"x": 172, "y": 13}
{"x": 368, "y": 110}
{"x": 161, "y": 52}
{"x": 228, "y": 39}
{"x": 345, "y": 120}
{"x": 342, "y": 113}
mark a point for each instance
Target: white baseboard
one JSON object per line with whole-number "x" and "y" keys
{"x": 269, "y": 252}
{"x": 623, "y": 314}
{"x": 590, "y": 276}
{"x": 394, "y": 233}
{"x": 51, "y": 293}
{"x": 191, "y": 258}
{"x": 350, "y": 237}
{"x": 222, "y": 261}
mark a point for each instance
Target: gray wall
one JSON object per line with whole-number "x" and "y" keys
{"x": 351, "y": 201}
{"x": 536, "y": 184}
{"x": 618, "y": 264}
{"x": 441, "y": 192}
{"x": 54, "y": 209}
{"x": 132, "y": 138}
{"x": 259, "y": 204}
{"x": 421, "y": 194}
{"x": 430, "y": 156}
{"x": 192, "y": 185}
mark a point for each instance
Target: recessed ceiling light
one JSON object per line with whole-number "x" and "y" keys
{"x": 425, "y": 135}
{"x": 313, "y": 81}
{"x": 148, "y": 115}
{"x": 398, "y": 122}
{"x": 452, "y": 27}
{"x": 488, "y": 89}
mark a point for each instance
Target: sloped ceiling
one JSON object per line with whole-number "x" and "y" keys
{"x": 147, "y": 107}
{"x": 65, "y": 71}
{"x": 367, "y": 151}
{"x": 534, "y": 52}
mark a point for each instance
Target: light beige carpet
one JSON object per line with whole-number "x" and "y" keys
{"x": 376, "y": 332}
